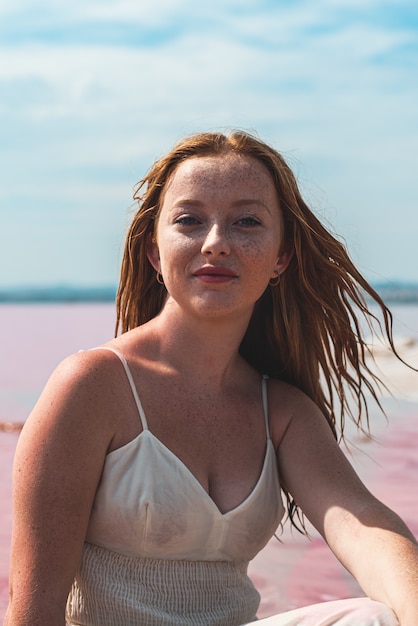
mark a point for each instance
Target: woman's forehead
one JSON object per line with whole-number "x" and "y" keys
{"x": 221, "y": 172}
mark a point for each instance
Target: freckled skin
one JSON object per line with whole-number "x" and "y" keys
{"x": 222, "y": 211}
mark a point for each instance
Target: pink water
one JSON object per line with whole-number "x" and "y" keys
{"x": 34, "y": 338}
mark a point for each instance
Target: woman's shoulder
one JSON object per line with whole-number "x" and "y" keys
{"x": 86, "y": 368}
{"x": 286, "y": 404}
{"x": 83, "y": 387}
{"x": 286, "y": 395}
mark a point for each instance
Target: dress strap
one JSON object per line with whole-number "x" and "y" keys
{"x": 131, "y": 383}
{"x": 265, "y": 403}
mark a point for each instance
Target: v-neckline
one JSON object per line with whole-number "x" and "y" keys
{"x": 145, "y": 429}
{"x": 193, "y": 478}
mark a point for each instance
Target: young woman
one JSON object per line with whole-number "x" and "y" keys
{"x": 151, "y": 470}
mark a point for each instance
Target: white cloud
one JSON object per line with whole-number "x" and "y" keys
{"x": 148, "y": 10}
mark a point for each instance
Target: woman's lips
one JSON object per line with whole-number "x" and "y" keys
{"x": 213, "y": 274}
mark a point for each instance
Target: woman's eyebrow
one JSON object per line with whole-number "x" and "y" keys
{"x": 187, "y": 202}
{"x": 253, "y": 201}
{"x": 191, "y": 202}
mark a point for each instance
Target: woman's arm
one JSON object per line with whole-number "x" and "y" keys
{"x": 369, "y": 539}
{"x": 58, "y": 464}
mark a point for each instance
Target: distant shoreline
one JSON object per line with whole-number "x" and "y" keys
{"x": 58, "y": 294}
{"x": 391, "y": 292}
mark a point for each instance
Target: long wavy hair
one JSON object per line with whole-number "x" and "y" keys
{"x": 307, "y": 329}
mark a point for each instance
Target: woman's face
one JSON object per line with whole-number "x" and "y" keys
{"x": 219, "y": 234}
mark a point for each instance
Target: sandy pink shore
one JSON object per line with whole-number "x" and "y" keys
{"x": 295, "y": 572}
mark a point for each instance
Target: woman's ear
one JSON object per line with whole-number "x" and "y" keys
{"x": 283, "y": 261}
{"x": 153, "y": 254}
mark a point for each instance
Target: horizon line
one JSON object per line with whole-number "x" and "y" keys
{"x": 399, "y": 291}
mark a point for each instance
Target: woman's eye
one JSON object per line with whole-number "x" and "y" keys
{"x": 186, "y": 220}
{"x": 248, "y": 221}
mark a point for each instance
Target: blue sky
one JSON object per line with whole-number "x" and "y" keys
{"x": 93, "y": 91}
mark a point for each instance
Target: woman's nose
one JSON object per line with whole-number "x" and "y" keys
{"x": 216, "y": 241}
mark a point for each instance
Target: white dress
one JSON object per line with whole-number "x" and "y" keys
{"x": 159, "y": 552}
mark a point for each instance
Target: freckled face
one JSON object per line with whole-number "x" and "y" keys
{"x": 218, "y": 235}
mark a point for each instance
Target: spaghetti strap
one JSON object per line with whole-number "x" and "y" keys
{"x": 265, "y": 403}
{"x": 131, "y": 383}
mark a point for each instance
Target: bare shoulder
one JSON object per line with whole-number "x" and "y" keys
{"x": 287, "y": 405}
{"x": 85, "y": 366}
{"x": 85, "y": 375}
{"x": 78, "y": 398}
{"x": 68, "y": 434}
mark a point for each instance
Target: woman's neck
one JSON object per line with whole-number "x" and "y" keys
{"x": 203, "y": 349}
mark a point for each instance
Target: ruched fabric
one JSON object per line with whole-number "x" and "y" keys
{"x": 113, "y": 589}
